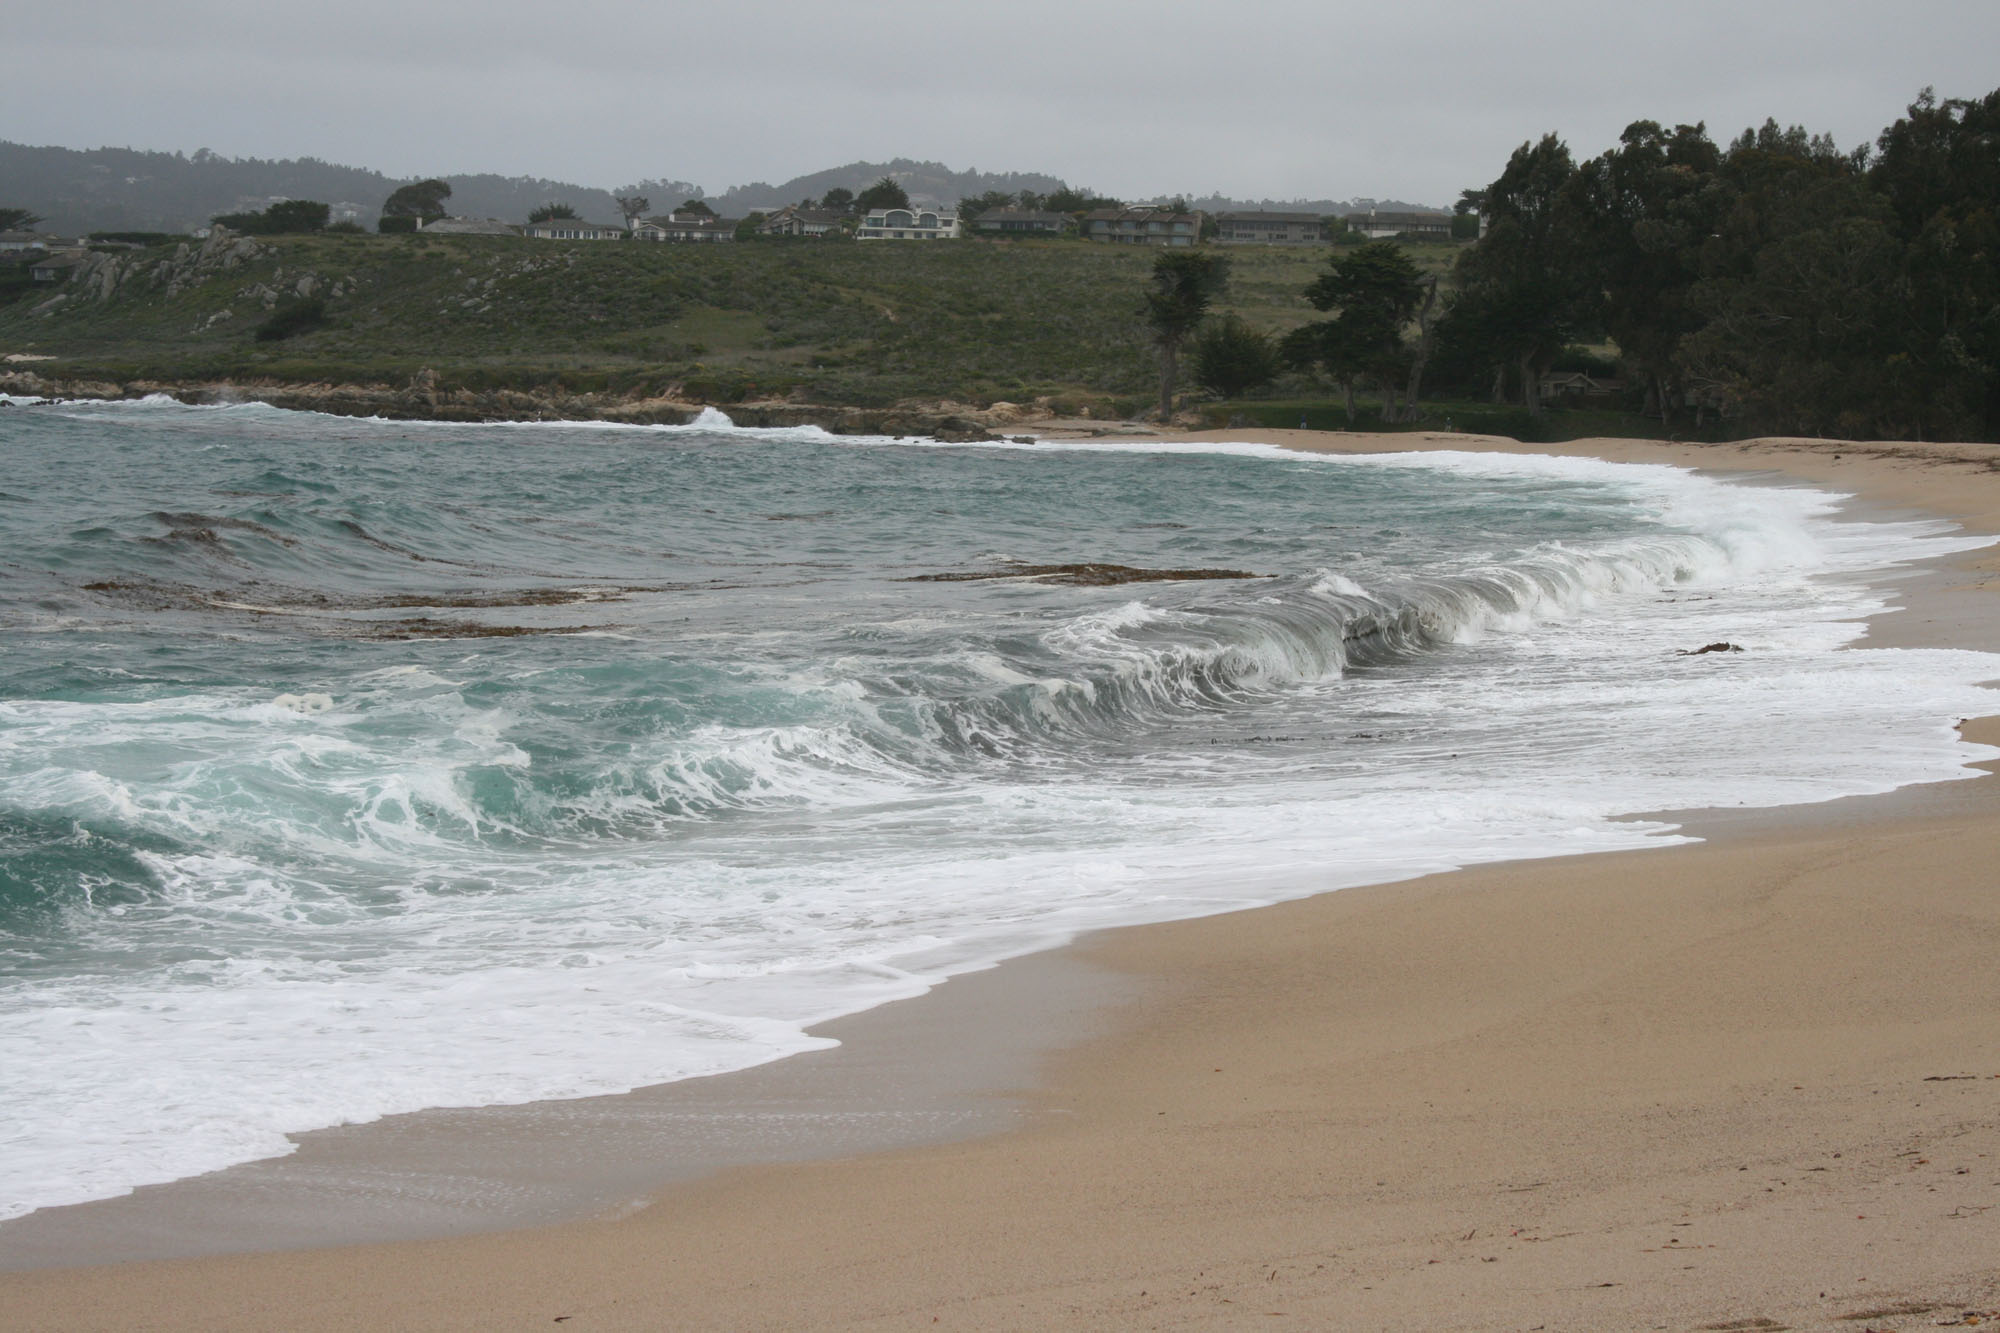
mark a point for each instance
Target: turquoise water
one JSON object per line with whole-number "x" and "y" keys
{"x": 349, "y": 767}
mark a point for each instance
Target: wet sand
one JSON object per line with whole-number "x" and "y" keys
{"x": 1753, "y": 1083}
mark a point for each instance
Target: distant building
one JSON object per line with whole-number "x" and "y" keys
{"x": 909, "y": 224}
{"x": 795, "y": 221}
{"x": 1376, "y": 226}
{"x": 53, "y": 268}
{"x": 20, "y": 242}
{"x": 1269, "y": 229}
{"x": 1576, "y": 384}
{"x": 571, "y": 229}
{"x": 1142, "y": 226}
{"x": 682, "y": 228}
{"x": 467, "y": 227}
{"x": 1023, "y": 222}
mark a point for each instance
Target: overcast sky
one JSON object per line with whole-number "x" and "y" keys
{"x": 1409, "y": 99}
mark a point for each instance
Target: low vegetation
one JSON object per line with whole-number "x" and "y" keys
{"x": 293, "y": 216}
{"x": 857, "y": 324}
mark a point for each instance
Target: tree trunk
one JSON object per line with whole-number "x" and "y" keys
{"x": 1169, "y": 370}
{"x": 1423, "y": 352}
{"x": 1531, "y": 386}
{"x": 1347, "y": 390}
{"x": 1499, "y": 384}
{"x": 1390, "y": 406}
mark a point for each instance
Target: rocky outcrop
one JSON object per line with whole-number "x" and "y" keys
{"x": 100, "y": 275}
{"x": 422, "y": 399}
{"x": 1084, "y": 575}
{"x": 949, "y": 426}
{"x": 27, "y": 384}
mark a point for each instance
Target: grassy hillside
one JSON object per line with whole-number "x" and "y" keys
{"x": 862, "y": 324}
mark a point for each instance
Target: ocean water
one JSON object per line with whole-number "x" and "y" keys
{"x": 355, "y": 767}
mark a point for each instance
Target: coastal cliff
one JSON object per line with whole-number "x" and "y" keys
{"x": 422, "y": 399}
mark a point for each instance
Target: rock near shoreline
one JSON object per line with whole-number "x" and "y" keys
{"x": 423, "y": 400}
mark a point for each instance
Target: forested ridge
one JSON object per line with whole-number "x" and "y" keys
{"x": 1776, "y": 279}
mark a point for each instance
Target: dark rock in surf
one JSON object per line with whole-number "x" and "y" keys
{"x": 1085, "y": 576}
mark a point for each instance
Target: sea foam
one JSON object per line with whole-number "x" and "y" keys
{"x": 262, "y": 876}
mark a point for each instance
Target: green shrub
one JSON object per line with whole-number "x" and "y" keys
{"x": 1231, "y": 358}
{"x": 293, "y": 319}
{"x": 707, "y": 385}
{"x": 281, "y": 219}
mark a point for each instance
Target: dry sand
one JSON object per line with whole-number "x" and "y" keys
{"x": 1750, "y": 1084}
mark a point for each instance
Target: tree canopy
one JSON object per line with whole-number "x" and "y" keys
{"x": 1521, "y": 288}
{"x": 17, "y": 219}
{"x": 1231, "y": 358}
{"x": 424, "y": 199}
{"x": 289, "y": 217}
{"x": 1798, "y": 288}
{"x": 550, "y": 211}
{"x": 1181, "y": 287}
{"x": 1645, "y": 208}
{"x": 884, "y": 193}
{"x": 1939, "y": 171}
{"x": 1373, "y": 291}
{"x": 970, "y": 209}
{"x": 409, "y": 206}
{"x": 1068, "y": 200}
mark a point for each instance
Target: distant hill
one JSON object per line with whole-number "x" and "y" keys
{"x": 123, "y": 189}
{"x": 924, "y": 182}
{"x": 1216, "y": 203}
{"x": 936, "y": 183}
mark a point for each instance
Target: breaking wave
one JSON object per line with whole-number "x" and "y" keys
{"x": 353, "y": 767}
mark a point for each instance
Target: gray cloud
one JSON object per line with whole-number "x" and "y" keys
{"x": 1286, "y": 98}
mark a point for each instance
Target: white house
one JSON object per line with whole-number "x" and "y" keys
{"x": 571, "y": 229}
{"x": 794, "y": 220}
{"x": 684, "y": 227}
{"x": 909, "y": 224}
{"x": 467, "y": 227}
{"x": 1379, "y": 226}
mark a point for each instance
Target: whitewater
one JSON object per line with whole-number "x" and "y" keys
{"x": 353, "y": 767}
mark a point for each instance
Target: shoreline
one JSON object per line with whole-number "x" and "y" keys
{"x": 421, "y": 399}
{"x": 1075, "y": 1099}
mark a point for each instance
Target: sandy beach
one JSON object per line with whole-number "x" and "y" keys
{"x": 1748, "y": 1084}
